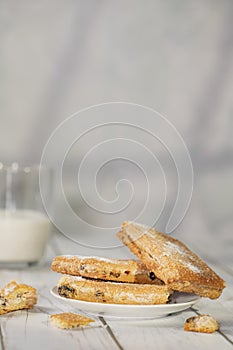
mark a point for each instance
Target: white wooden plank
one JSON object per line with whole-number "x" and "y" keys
{"x": 222, "y": 312}
{"x": 32, "y": 329}
{"x": 1, "y": 339}
{"x": 164, "y": 333}
{"x": 222, "y": 308}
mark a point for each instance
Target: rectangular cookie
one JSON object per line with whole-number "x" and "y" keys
{"x": 171, "y": 261}
{"x": 131, "y": 271}
{"x": 16, "y": 296}
{"x": 80, "y": 288}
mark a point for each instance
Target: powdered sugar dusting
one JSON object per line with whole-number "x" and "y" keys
{"x": 83, "y": 279}
{"x": 173, "y": 248}
{"x": 80, "y": 257}
{"x": 206, "y": 321}
{"x": 192, "y": 267}
{"x": 9, "y": 288}
{"x": 136, "y": 298}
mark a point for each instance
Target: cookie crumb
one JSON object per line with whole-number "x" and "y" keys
{"x": 201, "y": 323}
{"x": 69, "y": 320}
{"x": 16, "y": 296}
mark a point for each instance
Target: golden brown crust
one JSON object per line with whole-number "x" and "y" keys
{"x": 16, "y": 296}
{"x": 131, "y": 271}
{"x": 69, "y": 320}
{"x": 201, "y": 323}
{"x": 80, "y": 288}
{"x": 171, "y": 261}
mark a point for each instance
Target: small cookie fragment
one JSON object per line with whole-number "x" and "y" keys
{"x": 69, "y": 320}
{"x": 201, "y": 323}
{"x": 16, "y": 296}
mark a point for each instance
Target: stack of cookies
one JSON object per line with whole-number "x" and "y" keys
{"x": 165, "y": 265}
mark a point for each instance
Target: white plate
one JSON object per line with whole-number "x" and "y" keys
{"x": 179, "y": 302}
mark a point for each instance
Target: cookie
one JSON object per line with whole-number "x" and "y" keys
{"x": 171, "y": 261}
{"x": 16, "y": 296}
{"x": 80, "y": 288}
{"x": 201, "y": 323}
{"x": 69, "y": 320}
{"x": 131, "y": 271}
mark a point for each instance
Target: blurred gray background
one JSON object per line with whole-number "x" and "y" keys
{"x": 174, "y": 56}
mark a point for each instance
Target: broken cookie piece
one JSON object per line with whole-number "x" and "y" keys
{"x": 69, "y": 320}
{"x": 16, "y": 296}
{"x": 201, "y": 323}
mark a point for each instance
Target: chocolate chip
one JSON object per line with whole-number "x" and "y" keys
{"x": 64, "y": 290}
{"x": 82, "y": 267}
{"x": 152, "y": 276}
{"x": 115, "y": 274}
{"x": 99, "y": 294}
{"x": 2, "y": 301}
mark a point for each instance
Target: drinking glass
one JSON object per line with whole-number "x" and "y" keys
{"x": 24, "y": 225}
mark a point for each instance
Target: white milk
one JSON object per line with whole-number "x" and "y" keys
{"x": 23, "y": 235}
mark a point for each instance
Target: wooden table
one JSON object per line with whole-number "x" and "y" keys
{"x": 32, "y": 329}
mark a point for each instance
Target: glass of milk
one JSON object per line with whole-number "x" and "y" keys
{"x": 24, "y": 226}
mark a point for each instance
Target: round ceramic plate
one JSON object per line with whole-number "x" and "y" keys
{"x": 179, "y": 302}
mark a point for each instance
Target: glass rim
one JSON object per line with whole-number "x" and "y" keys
{"x": 16, "y": 167}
